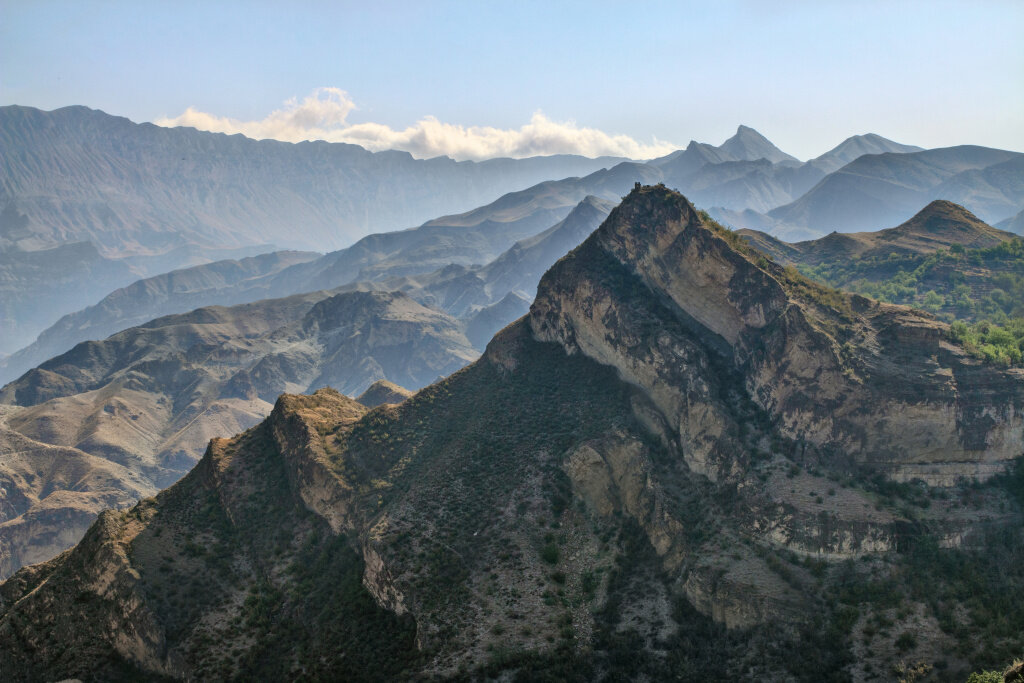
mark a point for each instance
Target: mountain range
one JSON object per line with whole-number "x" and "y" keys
{"x": 235, "y": 393}
{"x": 144, "y": 403}
{"x": 169, "y": 198}
{"x": 939, "y": 225}
{"x": 474, "y": 237}
{"x": 149, "y": 398}
{"x": 888, "y": 188}
{"x": 686, "y": 460}
{"x": 79, "y": 174}
{"x": 433, "y": 263}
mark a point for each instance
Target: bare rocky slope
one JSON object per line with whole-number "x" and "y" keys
{"x": 686, "y": 462}
{"x": 142, "y": 405}
{"x": 52, "y": 494}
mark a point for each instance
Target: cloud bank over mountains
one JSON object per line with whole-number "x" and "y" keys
{"x": 323, "y": 115}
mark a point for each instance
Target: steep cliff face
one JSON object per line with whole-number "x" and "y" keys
{"x": 661, "y": 296}
{"x": 666, "y": 470}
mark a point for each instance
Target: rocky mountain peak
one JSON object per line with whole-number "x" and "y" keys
{"x": 663, "y": 294}
{"x": 749, "y": 145}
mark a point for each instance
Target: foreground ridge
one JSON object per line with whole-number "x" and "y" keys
{"x": 666, "y": 469}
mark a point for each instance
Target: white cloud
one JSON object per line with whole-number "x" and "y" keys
{"x": 323, "y": 115}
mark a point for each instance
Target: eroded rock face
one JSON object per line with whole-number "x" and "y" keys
{"x": 682, "y": 313}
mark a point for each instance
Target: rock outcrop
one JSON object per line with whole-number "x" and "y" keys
{"x": 663, "y": 298}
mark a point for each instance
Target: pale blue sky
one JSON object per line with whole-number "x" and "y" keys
{"x": 806, "y": 74}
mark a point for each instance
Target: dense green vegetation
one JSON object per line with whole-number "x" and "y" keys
{"x": 1002, "y": 344}
{"x": 980, "y": 291}
{"x": 972, "y": 283}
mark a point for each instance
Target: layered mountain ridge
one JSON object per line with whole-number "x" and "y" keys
{"x": 451, "y": 279}
{"x": 124, "y": 187}
{"x": 144, "y": 189}
{"x": 626, "y": 482}
{"x": 145, "y": 402}
{"x": 879, "y": 189}
{"x": 939, "y": 225}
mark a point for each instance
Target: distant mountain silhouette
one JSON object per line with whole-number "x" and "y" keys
{"x": 748, "y": 172}
{"x": 435, "y": 264}
{"x": 877, "y": 189}
{"x": 857, "y": 146}
{"x": 136, "y": 189}
{"x": 1015, "y": 224}
{"x": 939, "y": 225}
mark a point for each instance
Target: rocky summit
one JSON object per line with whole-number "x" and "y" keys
{"x": 687, "y": 461}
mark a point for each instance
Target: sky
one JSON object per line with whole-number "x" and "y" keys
{"x": 481, "y": 79}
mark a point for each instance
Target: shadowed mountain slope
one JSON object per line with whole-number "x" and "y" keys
{"x": 660, "y": 471}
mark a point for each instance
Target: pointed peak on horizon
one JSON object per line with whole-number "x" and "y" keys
{"x": 949, "y": 223}
{"x": 858, "y": 145}
{"x": 749, "y": 145}
{"x": 943, "y": 208}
